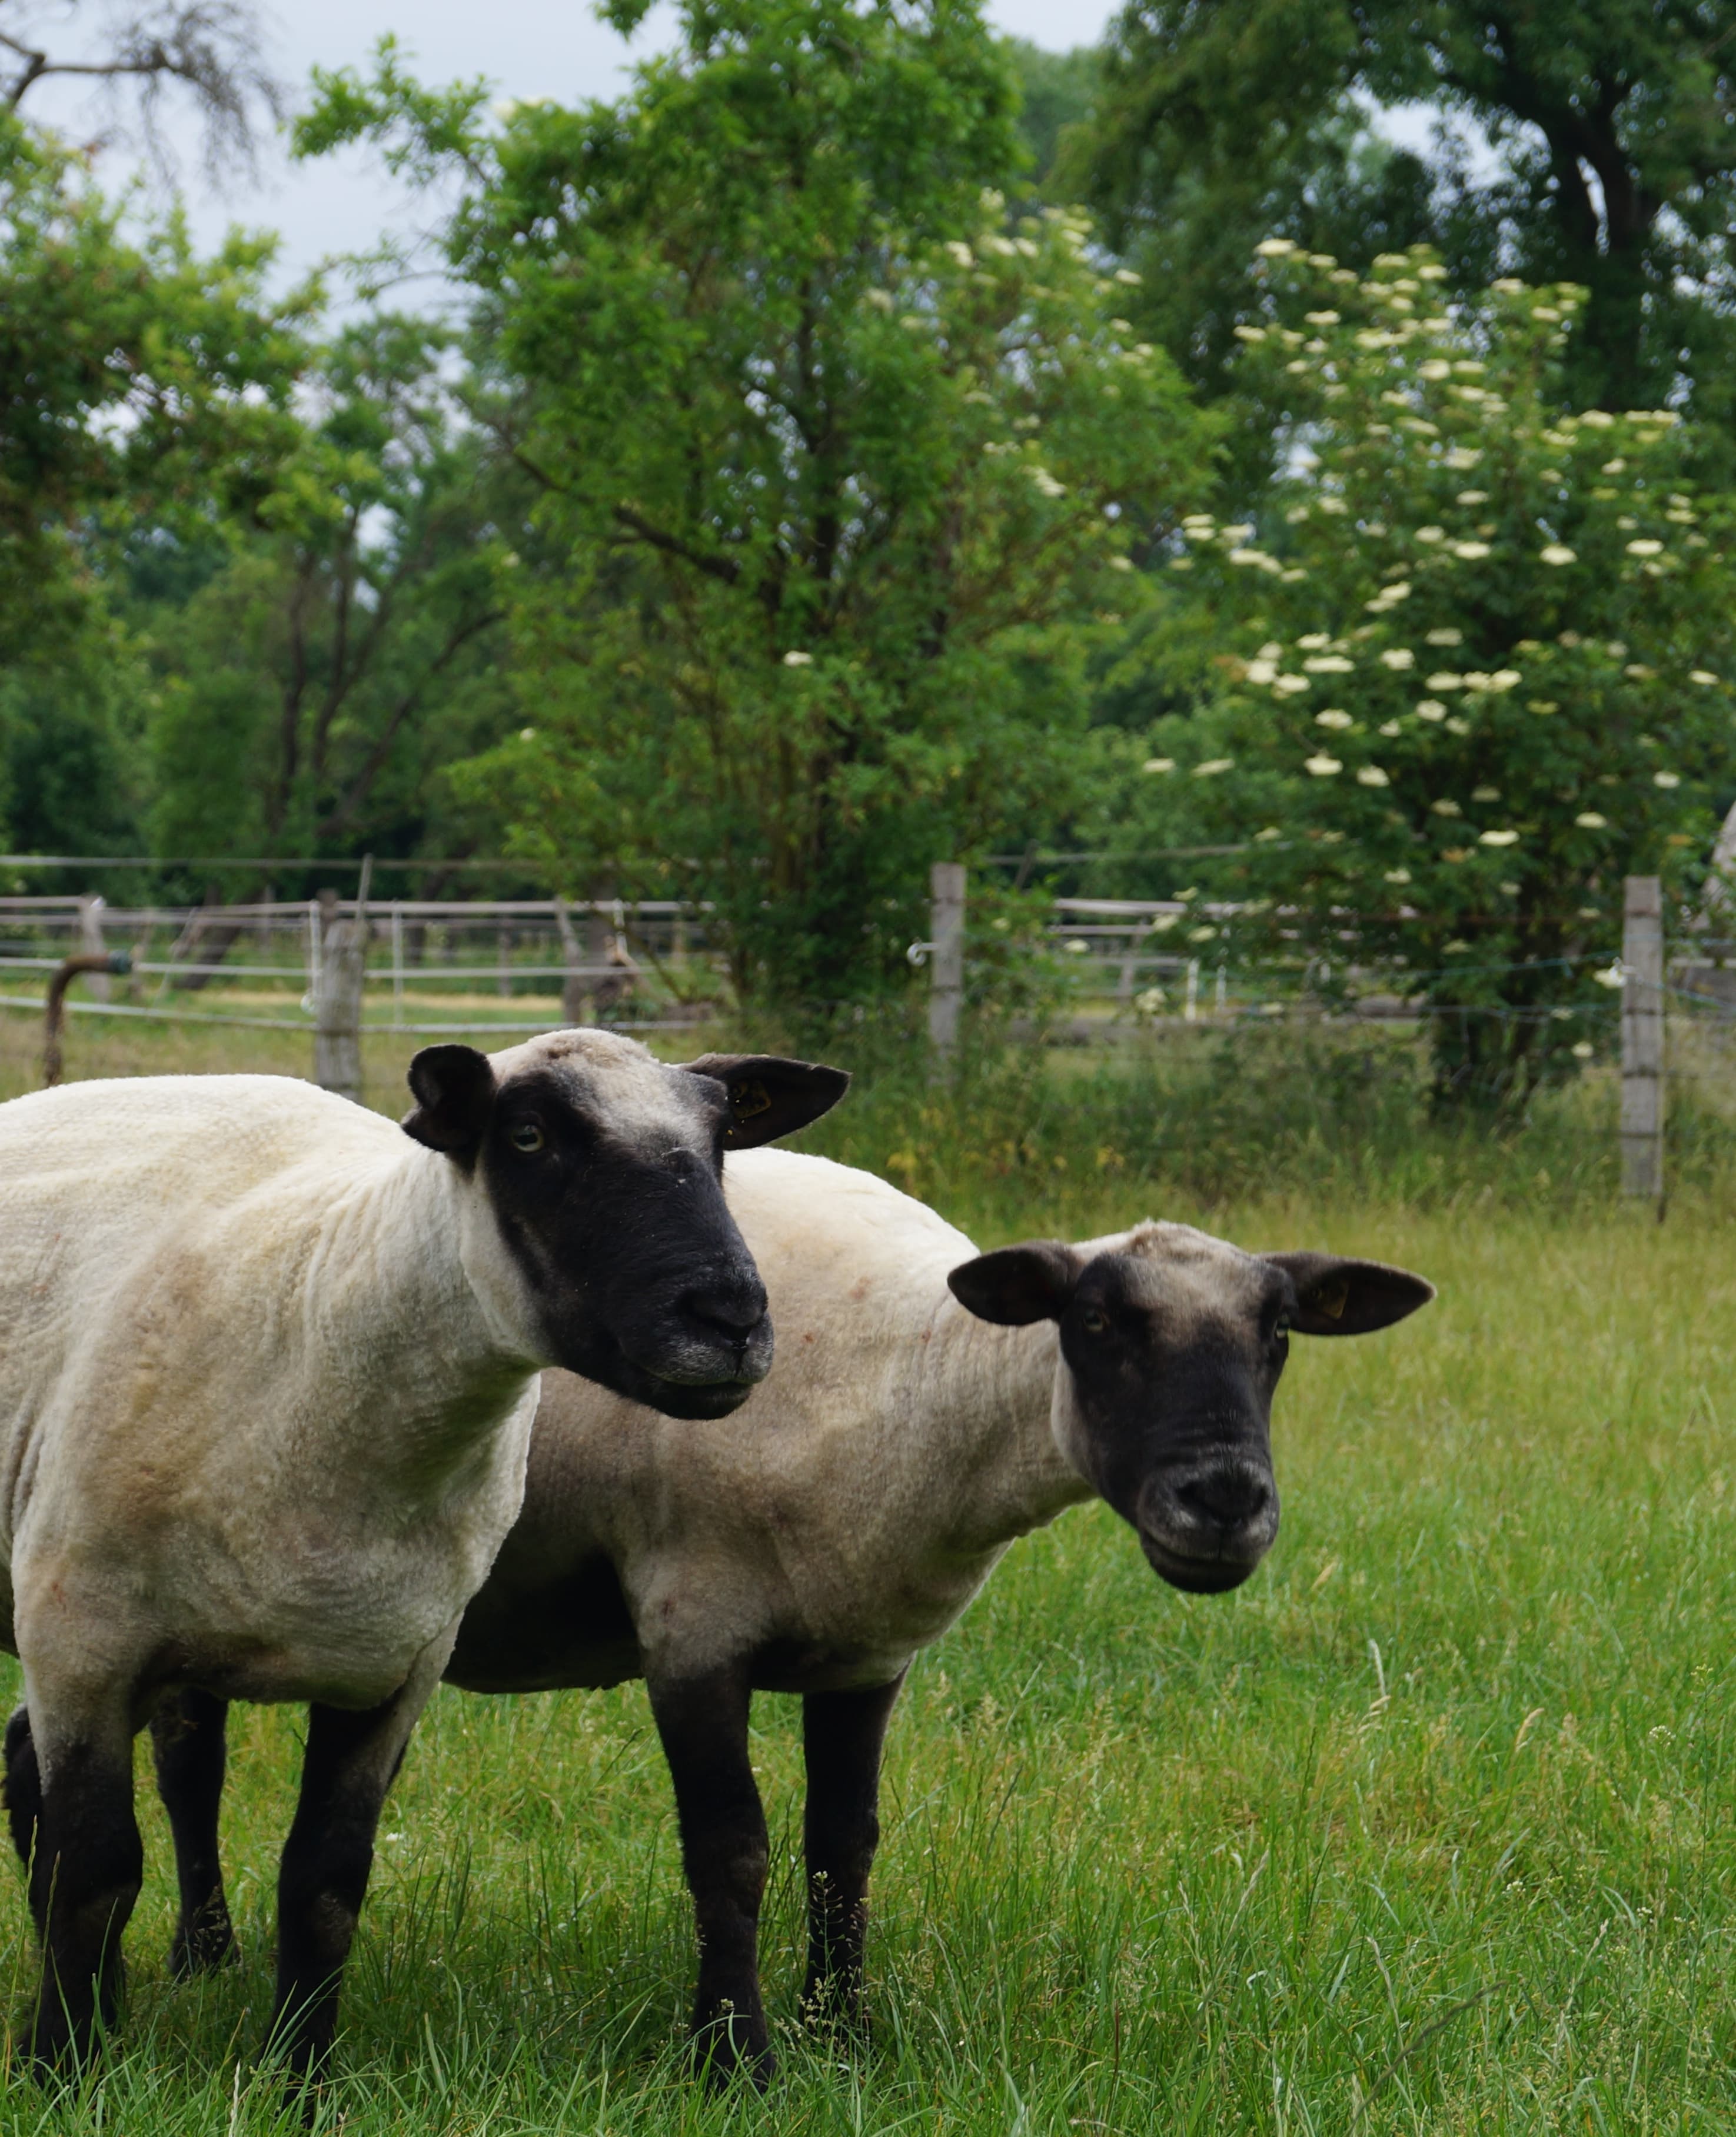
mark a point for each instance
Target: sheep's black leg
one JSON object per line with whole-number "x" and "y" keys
{"x": 189, "y": 1734}
{"x": 84, "y": 1877}
{"x": 350, "y": 1763}
{"x": 23, "y": 1785}
{"x": 702, "y": 1721}
{"x": 842, "y": 1734}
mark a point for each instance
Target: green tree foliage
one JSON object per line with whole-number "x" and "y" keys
{"x": 1478, "y": 662}
{"x": 837, "y": 463}
{"x": 314, "y": 687}
{"x": 1613, "y": 124}
{"x": 1057, "y": 91}
{"x": 136, "y": 381}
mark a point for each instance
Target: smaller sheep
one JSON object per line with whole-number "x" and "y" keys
{"x": 931, "y": 1405}
{"x": 268, "y": 1365}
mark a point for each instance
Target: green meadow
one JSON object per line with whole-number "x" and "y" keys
{"x": 1430, "y": 1826}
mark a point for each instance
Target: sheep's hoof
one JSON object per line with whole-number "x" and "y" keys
{"x": 832, "y": 2008}
{"x": 206, "y": 1946}
{"x": 727, "y": 2049}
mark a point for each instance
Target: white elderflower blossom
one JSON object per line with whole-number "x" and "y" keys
{"x": 1581, "y": 1049}
{"x": 1645, "y": 547}
{"x": 1557, "y": 553}
{"x": 1702, "y": 675}
{"x": 1322, "y": 767}
{"x": 1329, "y": 663}
{"x": 1485, "y": 793}
{"x": 1430, "y": 533}
{"x": 1431, "y": 709}
{"x": 1447, "y": 635}
{"x": 1371, "y": 775}
{"x": 1328, "y": 318}
{"x": 1470, "y": 551}
{"x": 1158, "y": 764}
{"x": 798, "y": 659}
{"x": 1436, "y": 368}
{"x": 1389, "y": 728}
{"x": 1312, "y": 641}
{"x": 1445, "y": 808}
{"x": 1444, "y": 681}
{"x": 1289, "y": 686}
{"x": 882, "y": 300}
{"x": 959, "y": 253}
{"x": 1212, "y": 767}
{"x": 1121, "y": 563}
{"x": 1499, "y": 839}
{"x": 1398, "y": 875}
{"x": 1589, "y": 819}
{"x": 1333, "y": 717}
{"x": 1250, "y": 333}
{"x": 1398, "y": 658}
{"x": 1666, "y": 779}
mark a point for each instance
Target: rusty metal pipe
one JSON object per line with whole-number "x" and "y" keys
{"x": 117, "y": 961}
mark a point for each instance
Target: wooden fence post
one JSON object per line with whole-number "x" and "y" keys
{"x": 338, "y": 1001}
{"x": 946, "y": 977}
{"x": 90, "y": 942}
{"x": 1642, "y": 1039}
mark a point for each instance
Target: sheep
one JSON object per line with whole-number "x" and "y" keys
{"x": 931, "y": 1406}
{"x": 268, "y": 1366}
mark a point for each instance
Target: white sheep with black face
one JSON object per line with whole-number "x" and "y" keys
{"x": 268, "y": 1365}
{"x": 929, "y": 1406}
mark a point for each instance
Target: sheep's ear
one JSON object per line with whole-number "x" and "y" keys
{"x": 1015, "y": 1286}
{"x": 454, "y": 1089}
{"x": 769, "y": 1096}
{"x": 1336, "y": 1297}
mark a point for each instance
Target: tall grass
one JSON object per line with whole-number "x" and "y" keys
{"x": 1430, "y": 1827}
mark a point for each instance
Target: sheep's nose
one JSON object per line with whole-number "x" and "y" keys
{"x": 1232, "y": 1499}
{"x": 734, "y": 1307}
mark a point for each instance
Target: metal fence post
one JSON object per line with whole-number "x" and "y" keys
{"x": 946, "y": 932}
{"x": 1642, "y": 1039}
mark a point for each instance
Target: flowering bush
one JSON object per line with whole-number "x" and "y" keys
{"x": 1474, "y": 663}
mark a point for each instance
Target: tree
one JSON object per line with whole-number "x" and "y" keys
{"x": 1056, "y": 93}
{"x": 209, "y": 50}
{"x": 836, "y": 462}
{"x": 1610, "y": 121}
{"x": 312, "y": 689}
{"x": 1476, "y": 667}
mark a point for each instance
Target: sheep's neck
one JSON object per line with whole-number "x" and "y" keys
{"x": 384, "y": 1285}
{"x": 997, "y": 1388}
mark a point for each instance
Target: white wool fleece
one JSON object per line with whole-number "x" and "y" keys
{"x": 266, "y": 1380}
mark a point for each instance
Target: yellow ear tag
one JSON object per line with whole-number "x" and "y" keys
{"x": 748, "y": 1099}
{"x": 1333, "y": 1300}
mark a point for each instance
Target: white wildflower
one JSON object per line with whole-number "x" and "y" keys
{"x": 798, "y": 659}
{"x": 1557, "y": 553}
{"x": 1446, "y": 809}
{"x": 1471, "y": 550}
{"x": 1666, "y": 779}
{"x": 1158, "y": 764}
{"x": 1589, "y": 819}
{"x": 1274, "y": 248}
{"x": 1431, "y": 709}
{"x": 1645, "y": 547}
{"x": 1212, "y": 767}
{"x": 1398, "y": 657}
{"x": 1398, "y": 875}
{"x": 1323, "y": 767}
{"x": 1333, "y": 717}
{"x": 1371, "y": 775}
{"x": 1701, "y": 675}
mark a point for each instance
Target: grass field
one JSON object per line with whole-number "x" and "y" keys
{"x": 1430, "y": 1826}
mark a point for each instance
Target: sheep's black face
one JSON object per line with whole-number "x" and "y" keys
{"x": 604, "y": 1172}
{"x": 1171, "y": 1345}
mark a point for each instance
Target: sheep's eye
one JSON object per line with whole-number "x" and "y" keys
{"x": 1280, "y": 1328}
{"x": 1094, "y": 1321}
{"x": 527, "y": 1136}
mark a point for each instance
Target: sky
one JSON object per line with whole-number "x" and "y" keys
{"x": 526, "y": 48}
